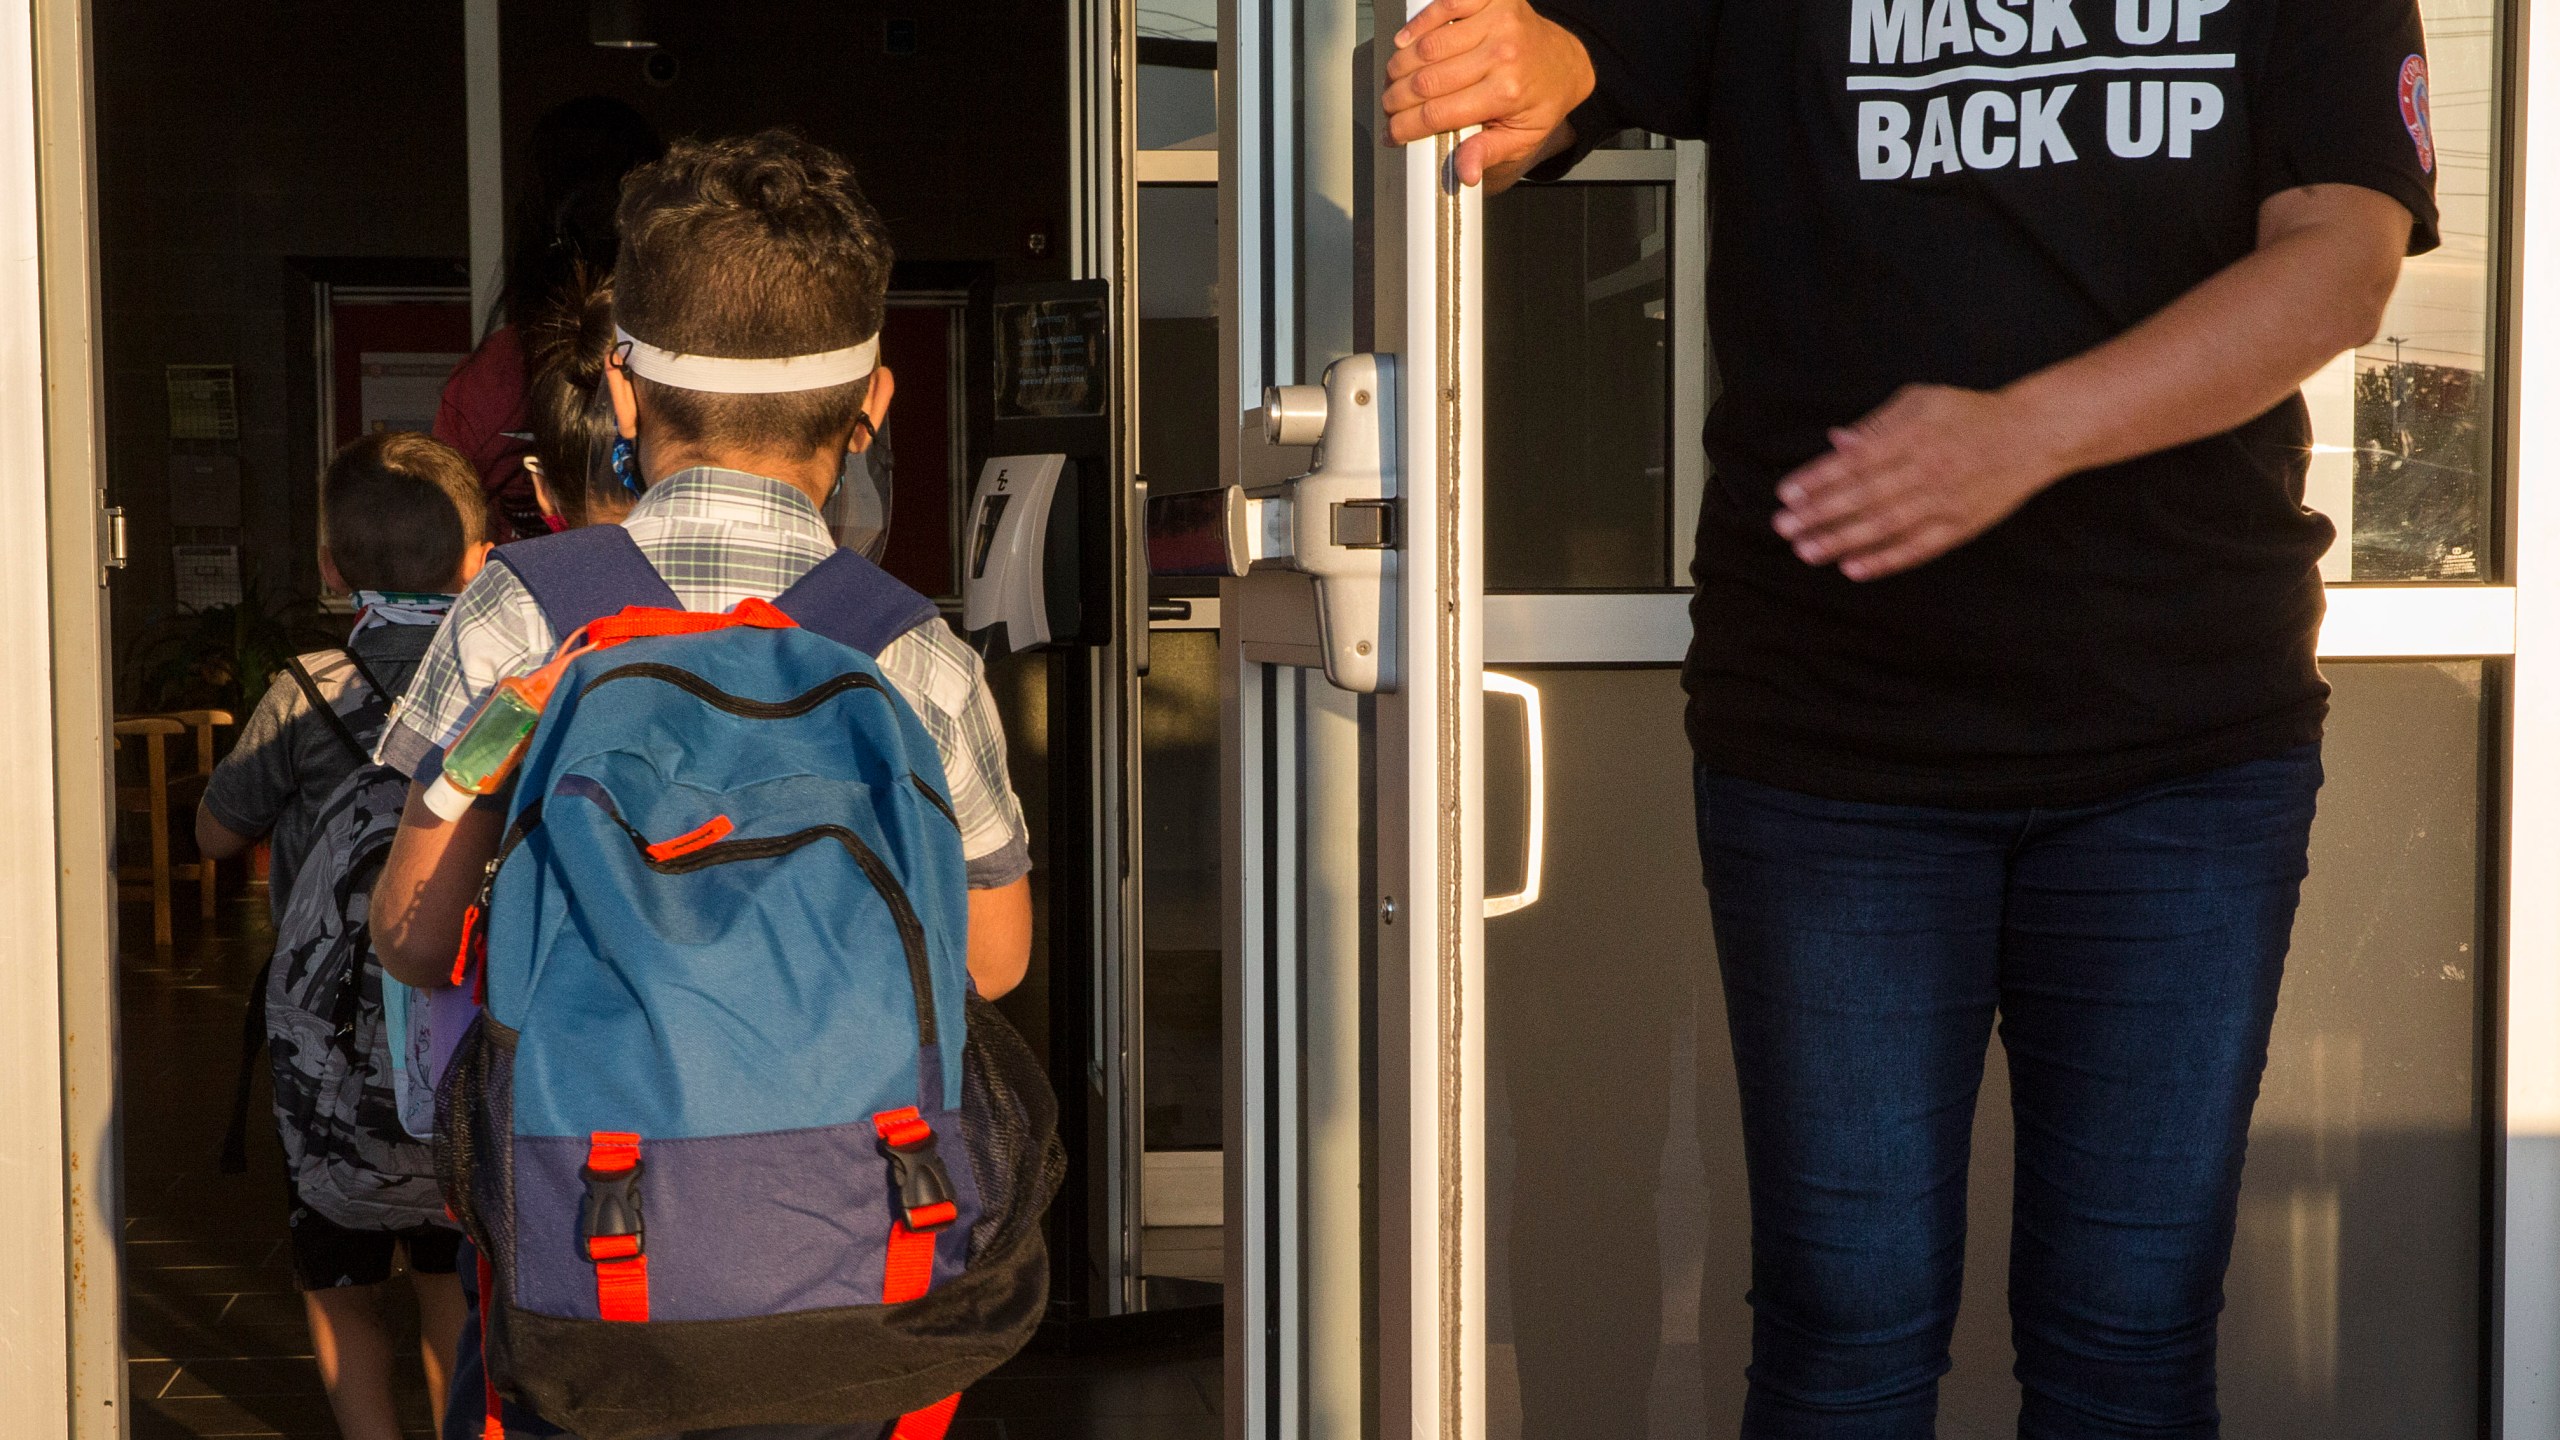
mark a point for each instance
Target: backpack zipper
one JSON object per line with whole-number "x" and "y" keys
{"x": 772, "y": 847}
{"x": 902, "y": 910}
{"x": 523, "y": 825}
{"x": 934, "y": 798}
{"x": 719, "y": 699}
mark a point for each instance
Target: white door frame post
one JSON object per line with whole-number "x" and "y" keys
{"x": 61, "y": 1342}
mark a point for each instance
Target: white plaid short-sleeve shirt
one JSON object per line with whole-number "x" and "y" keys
{"x": 719, "y": 537}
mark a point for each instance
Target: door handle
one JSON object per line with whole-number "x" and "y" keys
{"x": 1534, "y": 873}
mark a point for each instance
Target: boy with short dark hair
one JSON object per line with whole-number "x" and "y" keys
{"x": 754, "y": 253}
{"x": 402, "y": 528}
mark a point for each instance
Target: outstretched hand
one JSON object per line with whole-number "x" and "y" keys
{"x": 1494, "y": 63}
{"x": 1931, "y": 469}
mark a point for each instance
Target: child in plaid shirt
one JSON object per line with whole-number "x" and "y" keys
{"x": 762, "y": 246}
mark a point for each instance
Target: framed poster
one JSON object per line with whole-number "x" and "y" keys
{"x": 382, "y": 336}
{"x": 386, "y": 352}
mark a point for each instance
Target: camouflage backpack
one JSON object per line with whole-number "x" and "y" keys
{"x": 327, "y": 1044}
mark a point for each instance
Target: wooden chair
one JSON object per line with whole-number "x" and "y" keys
{"x": 158, "y": 794}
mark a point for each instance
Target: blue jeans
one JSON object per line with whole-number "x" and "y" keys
{"x": 2131, "y": 951}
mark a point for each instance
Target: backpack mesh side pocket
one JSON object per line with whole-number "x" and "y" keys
{"x": 475, "y": 1161}
{"x": 1009, "y": 1121}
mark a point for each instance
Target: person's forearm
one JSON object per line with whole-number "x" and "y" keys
{"x": 1000, "y": 937}
{"x": 2221, "y": 355}
{"x": 431, "y": 877}
{"x": 1937, "y": 465}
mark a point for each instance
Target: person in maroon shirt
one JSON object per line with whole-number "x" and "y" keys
{"x": 563, "y": 220}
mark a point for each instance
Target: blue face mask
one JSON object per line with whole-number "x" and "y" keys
{"x": 611, "y": 469}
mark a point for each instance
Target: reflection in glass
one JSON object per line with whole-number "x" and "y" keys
{"x": 2355, "y": 1282}
{"x": 2421, "y": 392}
{"x": 1177, "y": 245}
{"x": 1178, "y": 741}
{"x": 1577, "y": 385}
{"x": 1178, "y": 75}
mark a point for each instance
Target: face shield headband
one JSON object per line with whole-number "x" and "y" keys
{"x": 858, "y": 510}
{"x": 719, "y": 375}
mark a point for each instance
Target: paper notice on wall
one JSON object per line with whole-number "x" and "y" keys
{"x": 207, "y": 575}
{"x": 204, "y": 403}
{"x": 399, "y": 390}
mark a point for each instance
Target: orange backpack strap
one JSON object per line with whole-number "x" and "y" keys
{"x": 929, "y": 1423}
{"x": 493, "y": 1425}
{"x": 634, "y": 622}
{"x": 923, "y": 1206}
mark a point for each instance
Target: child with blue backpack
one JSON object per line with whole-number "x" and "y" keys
{"x": 740, "y": 1147}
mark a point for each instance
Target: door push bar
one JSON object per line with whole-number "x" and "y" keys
{"x": 1338, "y": 523}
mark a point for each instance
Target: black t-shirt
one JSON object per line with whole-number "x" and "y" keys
{"x": 1963, "y": 192}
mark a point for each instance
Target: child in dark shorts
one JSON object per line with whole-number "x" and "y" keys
{"x": 403, "y": 528}
{"x": 329, "y": 1256}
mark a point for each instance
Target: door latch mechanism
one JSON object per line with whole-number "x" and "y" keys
{"x": 1339, "y": 521}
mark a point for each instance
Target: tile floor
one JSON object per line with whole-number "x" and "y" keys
{"x": 213, "y": 1327}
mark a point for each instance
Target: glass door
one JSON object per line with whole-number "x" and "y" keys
{"x": 2393, "y": 1220}
{"x": 1427, "y": 1108}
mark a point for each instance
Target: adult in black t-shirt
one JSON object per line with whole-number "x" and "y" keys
{"x": 2003, "y": 691}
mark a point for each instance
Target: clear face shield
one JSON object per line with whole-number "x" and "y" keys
{"x": 858, "y": 512}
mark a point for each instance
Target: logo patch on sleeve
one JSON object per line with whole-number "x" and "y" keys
{"x": 2413, "y": 110}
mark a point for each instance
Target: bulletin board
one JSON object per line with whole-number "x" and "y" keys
{"x": 382, "y": 344}
{"x": 385, "y": 353}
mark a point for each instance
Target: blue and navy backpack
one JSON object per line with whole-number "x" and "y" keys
{"x": 736, "y": 1141}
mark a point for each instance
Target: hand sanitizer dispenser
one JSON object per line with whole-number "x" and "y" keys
{"x": 1019, "y": 589}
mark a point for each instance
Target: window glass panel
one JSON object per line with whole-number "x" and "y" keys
{"x": 2355, "y": 1282}
{"x": 1178, "y": 337}
{"x": 1577, "y": 383}
{"x": 1178, "y": 75}
{"x": 1179, "y": 745}
{"x": 2420, "y": 396}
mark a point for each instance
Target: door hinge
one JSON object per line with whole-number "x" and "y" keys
{"x": 111, "y": 537}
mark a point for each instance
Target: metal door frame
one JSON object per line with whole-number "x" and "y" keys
{"x": 1417, "y": 872}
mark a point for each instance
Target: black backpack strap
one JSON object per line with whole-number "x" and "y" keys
{"x": 580, "y": 576}
{"x": 319, "y": 702}
{"x": 234, "y": 1159}
{"x": 855, "y": 603}
{"x": 371, "y": 681}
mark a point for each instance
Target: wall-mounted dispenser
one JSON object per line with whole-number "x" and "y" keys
{"x": 1036, "y": 562}
{"x": 1021, "y": 588}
